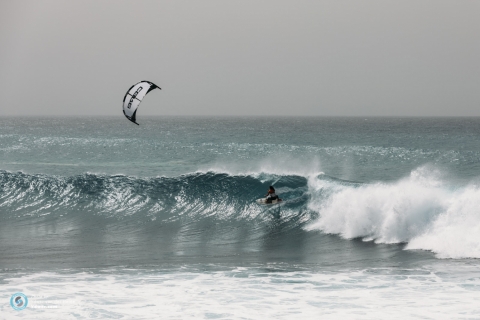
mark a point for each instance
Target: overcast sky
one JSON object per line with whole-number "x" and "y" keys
{"x": 262, "y": 57}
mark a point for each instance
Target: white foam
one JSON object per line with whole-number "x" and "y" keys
{"x": 243, "y": 294}
{"x": 421, "y": 210}
{"x": 456, "y": 232}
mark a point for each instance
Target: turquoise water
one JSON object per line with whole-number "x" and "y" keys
{"x": 373, "y": 207}
{"x": 346, "y": 148}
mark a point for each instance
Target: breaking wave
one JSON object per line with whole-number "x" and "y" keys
{"x": 422, "y": 210}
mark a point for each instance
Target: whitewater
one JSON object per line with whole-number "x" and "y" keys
{"x": 103, "y": 219}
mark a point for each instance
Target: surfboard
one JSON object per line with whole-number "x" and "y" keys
{"x": 263, "y": 201}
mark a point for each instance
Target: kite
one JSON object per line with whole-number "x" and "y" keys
{"x": 134, "y": 96}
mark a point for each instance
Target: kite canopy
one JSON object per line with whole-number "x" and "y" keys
{"x": 134, "y": 96}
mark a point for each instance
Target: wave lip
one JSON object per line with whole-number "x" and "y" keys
{"x": 420, "y": 210}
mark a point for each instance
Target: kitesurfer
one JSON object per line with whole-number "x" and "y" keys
{"x": 271, "y": 195}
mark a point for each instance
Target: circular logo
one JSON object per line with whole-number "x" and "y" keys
{"x": 19, "y": 301}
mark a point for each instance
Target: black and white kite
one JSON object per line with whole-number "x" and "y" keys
{"x": 134, "y": 96}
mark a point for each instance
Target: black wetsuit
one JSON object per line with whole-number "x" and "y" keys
{"x": 271, "y": 197}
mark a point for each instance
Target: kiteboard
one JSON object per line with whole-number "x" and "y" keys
{"x": 263, "y": 201}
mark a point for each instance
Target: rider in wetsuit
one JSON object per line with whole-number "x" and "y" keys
{"x": 271, "y": 195}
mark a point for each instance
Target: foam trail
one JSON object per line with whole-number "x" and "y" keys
{"x": 420, "y": 210}
{"x": 243, "y": 293}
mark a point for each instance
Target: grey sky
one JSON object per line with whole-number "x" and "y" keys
{"x": 319, "y": 58}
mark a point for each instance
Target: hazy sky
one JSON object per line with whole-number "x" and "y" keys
{"x": 318, "y": 58}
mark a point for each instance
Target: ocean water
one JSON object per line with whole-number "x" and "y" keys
{"x": 100, "y": 218}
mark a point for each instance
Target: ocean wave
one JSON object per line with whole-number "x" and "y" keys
{"x": 422, "y": 210}
{"x": 167, "y": 199}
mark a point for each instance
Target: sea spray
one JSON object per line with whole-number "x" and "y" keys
{"x": 421, "y": 210}
{"x": 455, "y": 233}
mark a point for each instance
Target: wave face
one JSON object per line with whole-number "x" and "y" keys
{"x": 194, "y": 196}
{"x": 100, "y": 220}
